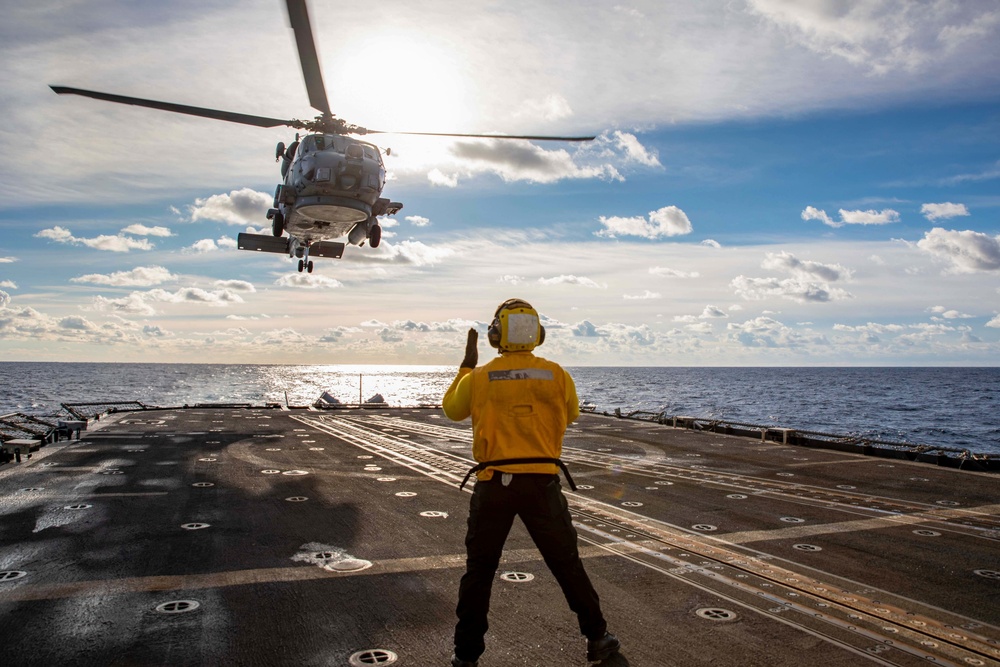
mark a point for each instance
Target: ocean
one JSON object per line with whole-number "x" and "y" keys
{"x": 948, "y": 407}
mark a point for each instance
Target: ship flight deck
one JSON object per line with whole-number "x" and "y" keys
{"x": 219, "y": 535}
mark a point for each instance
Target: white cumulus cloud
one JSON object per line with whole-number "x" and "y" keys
{"x": 239, "y": 207}
{"x": 870, "y": 217}
{"x": 140, "y": 276}
{"x": 943, "y": 211}
{"x": 666, "y": 221}
{"x": 785, "y": 261}
{"x": 106, "y": 242}
{"x": 143, "y": 230}
{"x": 967, "y": 251}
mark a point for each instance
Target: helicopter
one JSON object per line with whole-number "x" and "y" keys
{"x": 332, "y": 180}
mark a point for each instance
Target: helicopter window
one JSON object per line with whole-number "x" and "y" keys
{"x": 355, "y": 151}
{"x": 369, "y": 153}
{"x": 308, "y": 145}
{"x": 320, "y": 142}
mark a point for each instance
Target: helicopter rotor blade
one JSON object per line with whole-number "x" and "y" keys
{"x": 298, "y": 15}
{"x": 232, "y": 117}
{"x": 529, "y": 137}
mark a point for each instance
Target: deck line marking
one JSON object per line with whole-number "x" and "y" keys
{"x": 795, "y": 532}
{"x": 273, "y": 575}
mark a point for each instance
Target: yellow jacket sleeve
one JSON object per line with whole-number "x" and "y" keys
{"x": 457, "y": 401}
{"x": 572, "y": 401}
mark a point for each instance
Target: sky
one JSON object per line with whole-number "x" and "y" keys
{"x": 773, "y": 183}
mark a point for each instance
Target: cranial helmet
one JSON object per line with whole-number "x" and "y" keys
{"x": 515, "y": 327}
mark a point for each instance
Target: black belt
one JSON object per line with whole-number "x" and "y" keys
{"x": 505, "y": 462}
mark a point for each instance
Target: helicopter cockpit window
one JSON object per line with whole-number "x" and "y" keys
{"x": 369, "y": 153}
{"x": 355, "y": 151}
{"x": 308, "y": 145}
{"x": 337, "y": 142}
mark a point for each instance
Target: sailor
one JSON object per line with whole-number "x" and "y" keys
{"x": 520, "y": 406}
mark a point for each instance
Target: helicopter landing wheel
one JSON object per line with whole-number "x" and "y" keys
{"x": 375, "y": 236}
{"x": 278, "y": 224}
{"x": 301, "y": 265}
{"x": 309, "y": 266}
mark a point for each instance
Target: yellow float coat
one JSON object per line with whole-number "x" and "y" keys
{"x": 520, "y": 406}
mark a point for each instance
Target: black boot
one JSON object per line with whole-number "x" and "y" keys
{"x": 455, "y": 662}
{"x": 605, "y": 647}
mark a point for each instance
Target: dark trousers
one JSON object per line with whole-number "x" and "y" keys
{"x": 539, "y": 501}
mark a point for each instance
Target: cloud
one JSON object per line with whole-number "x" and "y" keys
{"x": 948, "y": 314}
{"x": 711, "y": 312}
{"x": 154, "y": 331}
{"x": 438, "y": 177}
{"x": 711, "y": 243}
{"x": 994, "y": 323}
{"x": 239, "y": 207}
{"x": 8, "y": 284}
{"x": 143, "y": 230}
{"x": 140, "y": 276}
{"x": 336, "y": 334}
{"x": 881, "y": 36}
{"x": 785, "y": 261}
{"x": 585, "y": 329}
{"x": 968, "y": 251}
{"x": 551, "y": 107}
{"x": 515, "y": 160}
{"x": 138, "y": 303}
{"x": 666, "y": 221}
{"x": 221, "y": 297}
{"x": 808, "y": 284}
{"x": 308, "y": 281}
{"x": 672, "y": 273}
{"x": 117, "y": 243}
{"x": 870, "y": 217}
{"x": 793, "y": 289}
{"x": 413, "y": 252}
{"x": 235, "y": 285}
{"x": 635, "y": 151}
{"x": 7, "y": 260}
{"x": 985, "y": 175}
{"x": 642, "y": 297}
{"x": 417, "y": 220}
{"x": 770, "y": 333}
{"x": 571, "y": 280}
{"x": 943, "y": 211}
{"x": 614, "y": 335}
{"x": 208, "y": 245}
{"x": 511, "y": 280}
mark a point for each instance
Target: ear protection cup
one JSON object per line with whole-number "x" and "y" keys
{"x": 493, "y": 333}
{"x": 541, "y": 335}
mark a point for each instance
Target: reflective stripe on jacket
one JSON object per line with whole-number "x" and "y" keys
{"x": 520, "y": 406}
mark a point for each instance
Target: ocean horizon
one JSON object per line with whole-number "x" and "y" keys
{"x": 944, "y": 406}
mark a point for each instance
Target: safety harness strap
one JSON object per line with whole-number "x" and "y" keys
{"x": 503, "y": 462}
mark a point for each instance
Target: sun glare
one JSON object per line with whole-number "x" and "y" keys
{"x": 409, "y": 83}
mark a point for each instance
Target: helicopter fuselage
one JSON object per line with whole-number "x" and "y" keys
{"x": 332, "y": 187}
{"x": 331, "y": 184}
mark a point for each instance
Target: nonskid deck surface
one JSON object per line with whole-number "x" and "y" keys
{"x": 267, "y": 537}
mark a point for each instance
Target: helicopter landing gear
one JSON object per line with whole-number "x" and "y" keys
{"x": 307, "y": 265}
{"x": 277, "y": 222}
{"x": 375, "y": 236}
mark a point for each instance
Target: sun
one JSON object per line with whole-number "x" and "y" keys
{"x": 401, "y": 81}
